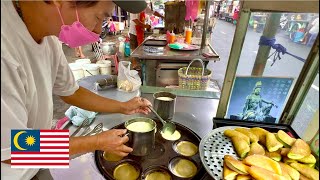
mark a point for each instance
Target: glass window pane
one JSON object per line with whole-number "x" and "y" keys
{"x": 306, "y": 112}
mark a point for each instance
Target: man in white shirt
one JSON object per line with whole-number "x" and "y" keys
{"x": 33, "y": 66}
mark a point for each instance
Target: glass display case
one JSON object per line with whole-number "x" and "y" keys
{"x": 276, "y": 40}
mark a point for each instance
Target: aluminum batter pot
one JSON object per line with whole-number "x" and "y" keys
{"x": 142, "y": 143}
{"x": 165, "y": 108}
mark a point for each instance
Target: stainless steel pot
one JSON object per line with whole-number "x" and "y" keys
{"x": 108, "y": 48}
{"x": 142, "y": 143}
{"x": 165, "y": 108}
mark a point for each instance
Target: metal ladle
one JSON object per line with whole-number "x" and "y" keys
{"x": 168, "y": 127}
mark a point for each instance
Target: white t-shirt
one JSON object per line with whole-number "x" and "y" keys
{"x": 30, "y": 73}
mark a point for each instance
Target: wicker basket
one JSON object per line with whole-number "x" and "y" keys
{"x": 194, "y": 78}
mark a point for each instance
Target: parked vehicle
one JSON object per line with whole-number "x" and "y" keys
{"x": 105, "y": 29}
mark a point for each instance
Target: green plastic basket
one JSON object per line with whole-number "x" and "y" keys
{"x": 194, "y": 78}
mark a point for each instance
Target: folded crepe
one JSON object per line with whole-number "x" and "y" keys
{"x": 302, "y": 177}
{"x": 243, "y": 177}
{"x": 272, "y": 143}
{"x": 247, "y": 132}
{"x": 284, "y": 151}
{"x": 233, "y": 133}
{"x": 306, "y": 171}
{"x": 256, "y": 148}
{"x": 264, "y": 174}
{"x": 299, "y": 150}
{"x": 235, "y": 165}
{"x": 308, "y": 159}
{"x": 311, "y": 165}
{"x": 261, "y": 133}
{"x": 285, "y": 139}
{"x": 288, "y": 170}
{"x": 263, "y": 162}
{"x": 241, "y": 146}
{"x": 288, "y": 160}
{"x": 228, "y": 174}
{"x": 274, "y": 155}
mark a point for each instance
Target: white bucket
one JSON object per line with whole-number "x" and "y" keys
{"x": 83, "y": 61}
{"x": 92, "y": 68}
{"x": 76, "y": 70}
{"x": 105, "y": 67}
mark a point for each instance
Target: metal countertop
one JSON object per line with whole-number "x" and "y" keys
{"x": 177, "y": 55}
{"x": 195, "y": 113}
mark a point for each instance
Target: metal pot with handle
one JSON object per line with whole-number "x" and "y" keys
{"x": 108, "y": 48}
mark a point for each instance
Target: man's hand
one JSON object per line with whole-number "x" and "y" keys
{"x": 136, "y": 105}
{"x": 112, "y": 141}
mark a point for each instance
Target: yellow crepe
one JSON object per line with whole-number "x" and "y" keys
{"x": 185, "y": 168}
{"x": 125, "y": 171}
{"x": 306, "y": 171}
{"x": 308, "y": 159}
{"x": 233, "y": 133}
{"x": 264, "y": 174}
{"x": 285, "y": 138}
{"x": 228, "y": 174}
{"x": 235, "y": 165}
{"x": 187, "y": 148}
{"x": 263, "y": 162}
{"x": 247, "y": 132}
{"x": 241, "y": 146}
{"x": 274, "y": 155}
{"x": 111, "y": 157}
{"x": 256, "y": 148}
{"x": 261, "y": 133}
{"x": 157, "y": 175}
{"x": 272, "y": 143}
{"x": 299, "y": 150}
{"x": 171, "y": 137}
{"x": 286, "y": 169}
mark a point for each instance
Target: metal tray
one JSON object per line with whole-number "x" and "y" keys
{"x": 215, "y": 145}
{"x": 272, "y": 127}
{"x": 153, "y": 42}
{"x": 212, "y": 149}
{"x": 160, "y": 158}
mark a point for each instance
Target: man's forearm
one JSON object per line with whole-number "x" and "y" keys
{"x": 156, "y": 13}
{"x": 82, "y": 145}
{"x": 90, "y": 101}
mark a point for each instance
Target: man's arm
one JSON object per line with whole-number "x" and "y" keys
{"x": 85, "y": 99}
{"x": 111, "y": 141}
{"x": 156, "y": 13}
{"x": 90, "y": 101}
{"x": 139, "y": 23}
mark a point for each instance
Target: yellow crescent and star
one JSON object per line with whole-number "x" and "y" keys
{"x": 30, "y": 140}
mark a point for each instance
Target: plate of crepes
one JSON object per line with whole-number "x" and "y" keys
{"x": 183, "y": 46}
{"x": 241, "y": 153}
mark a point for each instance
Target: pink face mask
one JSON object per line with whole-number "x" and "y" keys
{"x": 76, "y": 35}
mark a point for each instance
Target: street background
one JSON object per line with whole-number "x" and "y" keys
{"x": 221, "y": 39}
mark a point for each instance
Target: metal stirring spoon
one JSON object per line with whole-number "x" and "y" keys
{"x": 168, "y": 127}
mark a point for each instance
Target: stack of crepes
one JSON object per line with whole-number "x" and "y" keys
{"x": 268, "y": 156}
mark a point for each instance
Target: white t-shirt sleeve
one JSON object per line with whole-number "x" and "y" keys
{"x": 64, "y": 84}
{"x": 13, "y": 100}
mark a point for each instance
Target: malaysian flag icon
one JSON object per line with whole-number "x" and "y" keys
{"x": 40, "y": 149}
